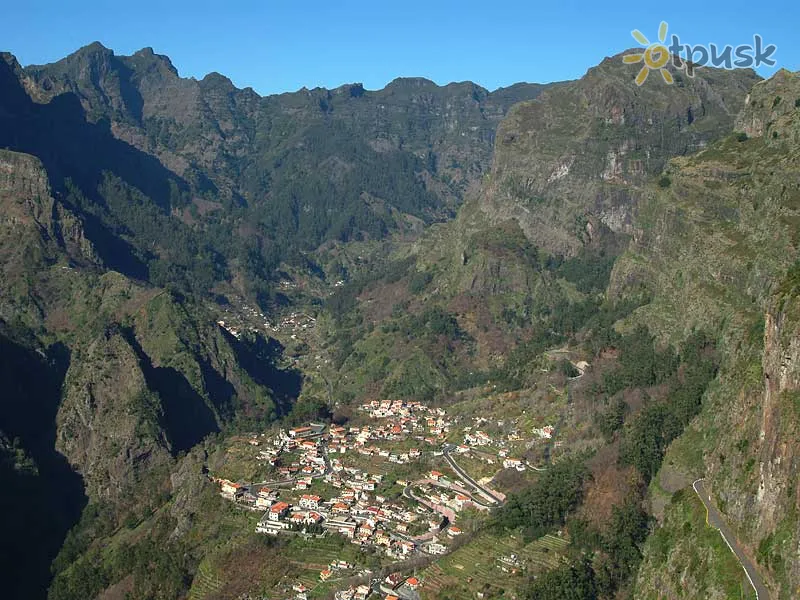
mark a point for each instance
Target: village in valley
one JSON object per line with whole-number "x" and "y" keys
{"x": 396, "y": 482}
{"x": 391, "y": 502}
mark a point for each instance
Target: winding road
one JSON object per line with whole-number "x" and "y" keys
{"x": 469, "y": 480}
{"x": 717, "y": 521}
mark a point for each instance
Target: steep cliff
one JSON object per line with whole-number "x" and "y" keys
{"x": 776, "y": 527}
{"x": 569, "y": 163}
{"x": 716, "y": 249}
{"x": 35, "y": 233}
{"x": 109, "y": 423}
{"x": 106, "y": 382}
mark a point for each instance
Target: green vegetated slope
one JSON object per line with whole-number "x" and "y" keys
{"x": 685, "y": 558}
{"x": 651, "y": 231}
{"x": 716, "y": 248}
{"x": 108, "y": 381}
{"x": 528, "y": 257}
{"x": 706, "y": 242}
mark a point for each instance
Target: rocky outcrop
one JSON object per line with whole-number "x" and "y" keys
{"x": 189, "y": 484}
{"x": 769, "y": 113}
{"x": 27, "y": 202}
{"x": 580, "y": 150}
{"x": 778, "y": 495}
{"x": 109, "y": 421}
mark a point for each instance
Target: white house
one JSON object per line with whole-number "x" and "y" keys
{"x": 309, "y": 501}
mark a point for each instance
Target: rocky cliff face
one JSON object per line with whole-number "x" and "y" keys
{"x": 28, "y": 203}
{"x": 110, "y": 422}
{"x": 777, "y": 498}
{"x": 569, "y": 172}
{"x": 149, "y": 374}
{"x": 715, "y": 249}
{"x": 569, "y": 163}
{"x": 570, "y": 166}
{"x": 769, "y": 110}
{"x": 39, "y": 238}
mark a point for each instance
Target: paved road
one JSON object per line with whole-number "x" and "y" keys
{"x": 469, "y": 480}
{"x": 326, "y": 458}
{"x": 717, "y": 521}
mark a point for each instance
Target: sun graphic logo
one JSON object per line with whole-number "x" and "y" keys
{"x": 655, "y": 56}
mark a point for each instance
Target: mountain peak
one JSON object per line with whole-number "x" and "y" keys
{"x": 91, "y": 54}
{"x": 93, "y": 49}
{"x": 10, "y": 60}
{"x": 96, "y": 46}
{"x": 418, "y": 82}
{"x": 217, "y": 80}
{"x": 147, "y": 57}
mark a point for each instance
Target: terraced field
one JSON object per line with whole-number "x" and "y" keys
{"x": 205, "y": 582}
{"x": 477, "y": 563}
{"x": 310, "y": 579}
{"x": 320, "y": 552}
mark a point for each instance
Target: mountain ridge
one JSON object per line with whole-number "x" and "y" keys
{"x": 98, "y": 47}
{"x": 414, "y": 149}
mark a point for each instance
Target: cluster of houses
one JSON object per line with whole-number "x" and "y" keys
{"x": 294, "y": 322}
{"x": 441, "y": 497}
{"x": 431, "y": 425}
{"x": 236, "y": 329}
{"x": 392, "y": 586}
{"x": 514, "y": 463}
{"x": 317, "y": 454}
{"x": 409, "y": 413}
{"x": 365, "y": 520}
{"x": 357, "y": 509}
{"x": 361, "y": 440}
{"x": 336, "y": 566}
{"x": 360, "y": 592}
{"x": 476, "y": 437}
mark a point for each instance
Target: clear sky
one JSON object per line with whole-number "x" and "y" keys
{"x": 276, "y": 46}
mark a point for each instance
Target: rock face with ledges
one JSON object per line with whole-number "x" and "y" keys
{"x": 570, "y": 162}
{"x": 109, "y": 422}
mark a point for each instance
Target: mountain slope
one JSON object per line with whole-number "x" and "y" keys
{"x": 531, "y": 252}
{"x": 608, "y": 208}
{"x": 247, "y": 181}
{"x": 566, "y": 163}
{"x": 717, "y": 249}
{"x": 107, "y": 380}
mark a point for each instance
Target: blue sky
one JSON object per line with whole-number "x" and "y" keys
{"x": 276, "y": 46}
